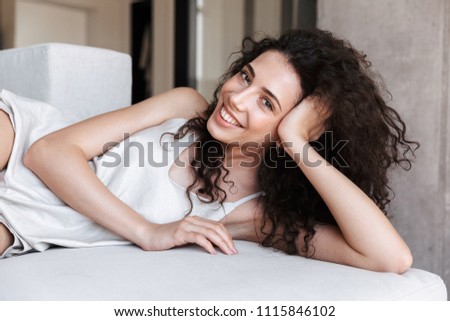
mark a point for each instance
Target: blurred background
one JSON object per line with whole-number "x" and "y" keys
{"x": 189, "y": 42}
{"x": 172, "y": 42}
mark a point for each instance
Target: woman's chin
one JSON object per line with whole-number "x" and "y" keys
{"x": 213, "y": 129}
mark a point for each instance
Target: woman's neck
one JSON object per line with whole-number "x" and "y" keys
{"x": 244, "y": 160}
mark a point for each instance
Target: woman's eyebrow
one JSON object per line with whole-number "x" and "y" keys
{"x": 250, "y": 68}
{"x": 267, "y": 91}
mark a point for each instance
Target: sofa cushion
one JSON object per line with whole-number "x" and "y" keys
{"x": 81, "y": 80}
{"x": 189, "y": 273}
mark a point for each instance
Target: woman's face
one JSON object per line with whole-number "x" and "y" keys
{"x": 254, "y": 101}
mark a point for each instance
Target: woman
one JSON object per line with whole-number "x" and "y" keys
{"x": 255, "y": 164}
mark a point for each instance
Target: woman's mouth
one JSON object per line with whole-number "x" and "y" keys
{"x": 228, "y": 118}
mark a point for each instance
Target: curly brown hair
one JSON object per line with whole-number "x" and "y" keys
{"x": 331, "y": 70}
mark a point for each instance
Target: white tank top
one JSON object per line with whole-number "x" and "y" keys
{"x": 137, "y": 171}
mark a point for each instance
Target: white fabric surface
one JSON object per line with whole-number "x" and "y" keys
{"x": 189, "y": 273}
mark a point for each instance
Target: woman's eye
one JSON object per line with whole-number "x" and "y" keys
{"x": 267, "y": 103}
{"x": 245, "y": 77}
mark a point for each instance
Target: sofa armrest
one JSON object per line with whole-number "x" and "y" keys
{"x": 78, "y": 79}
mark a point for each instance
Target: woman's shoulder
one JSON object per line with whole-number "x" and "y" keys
{"x": 189, "y": 97}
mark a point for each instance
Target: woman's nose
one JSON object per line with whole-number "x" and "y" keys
{"x": 241, "y": 100}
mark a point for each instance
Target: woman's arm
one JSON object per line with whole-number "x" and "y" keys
{"x": 92, "y": 135}
{"x": 60, "y": 161}
{"x": 365, "y": 237}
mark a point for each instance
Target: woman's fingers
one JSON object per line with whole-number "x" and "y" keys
{"x": 222, "y": 229}
{"x": 204, "y": 232}
{"x": 202, "y": 241}
{"x": 215, "y": 232}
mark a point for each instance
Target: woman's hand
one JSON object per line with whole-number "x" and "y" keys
{"x": 305, "y": 121}
{"x": 191, "y": 229}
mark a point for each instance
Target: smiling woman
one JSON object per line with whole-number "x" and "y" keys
{"x": 249, "y": 103}
{"x": 305, "y": 211}
{"x": 273, "y": 104}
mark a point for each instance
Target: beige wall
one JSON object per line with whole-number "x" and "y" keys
{"x": 41, "y": 22}
{"x": 107, "y": 22}
{"x": 408, "y": 41}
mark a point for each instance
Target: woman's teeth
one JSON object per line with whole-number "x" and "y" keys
{"x": 228, "y": 118}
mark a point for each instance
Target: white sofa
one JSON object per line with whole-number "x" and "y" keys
{"x": 86, "y": 81}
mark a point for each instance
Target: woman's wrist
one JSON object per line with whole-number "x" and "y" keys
{"x": 145, "y": 236}
{"x": 296, "y": 146}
